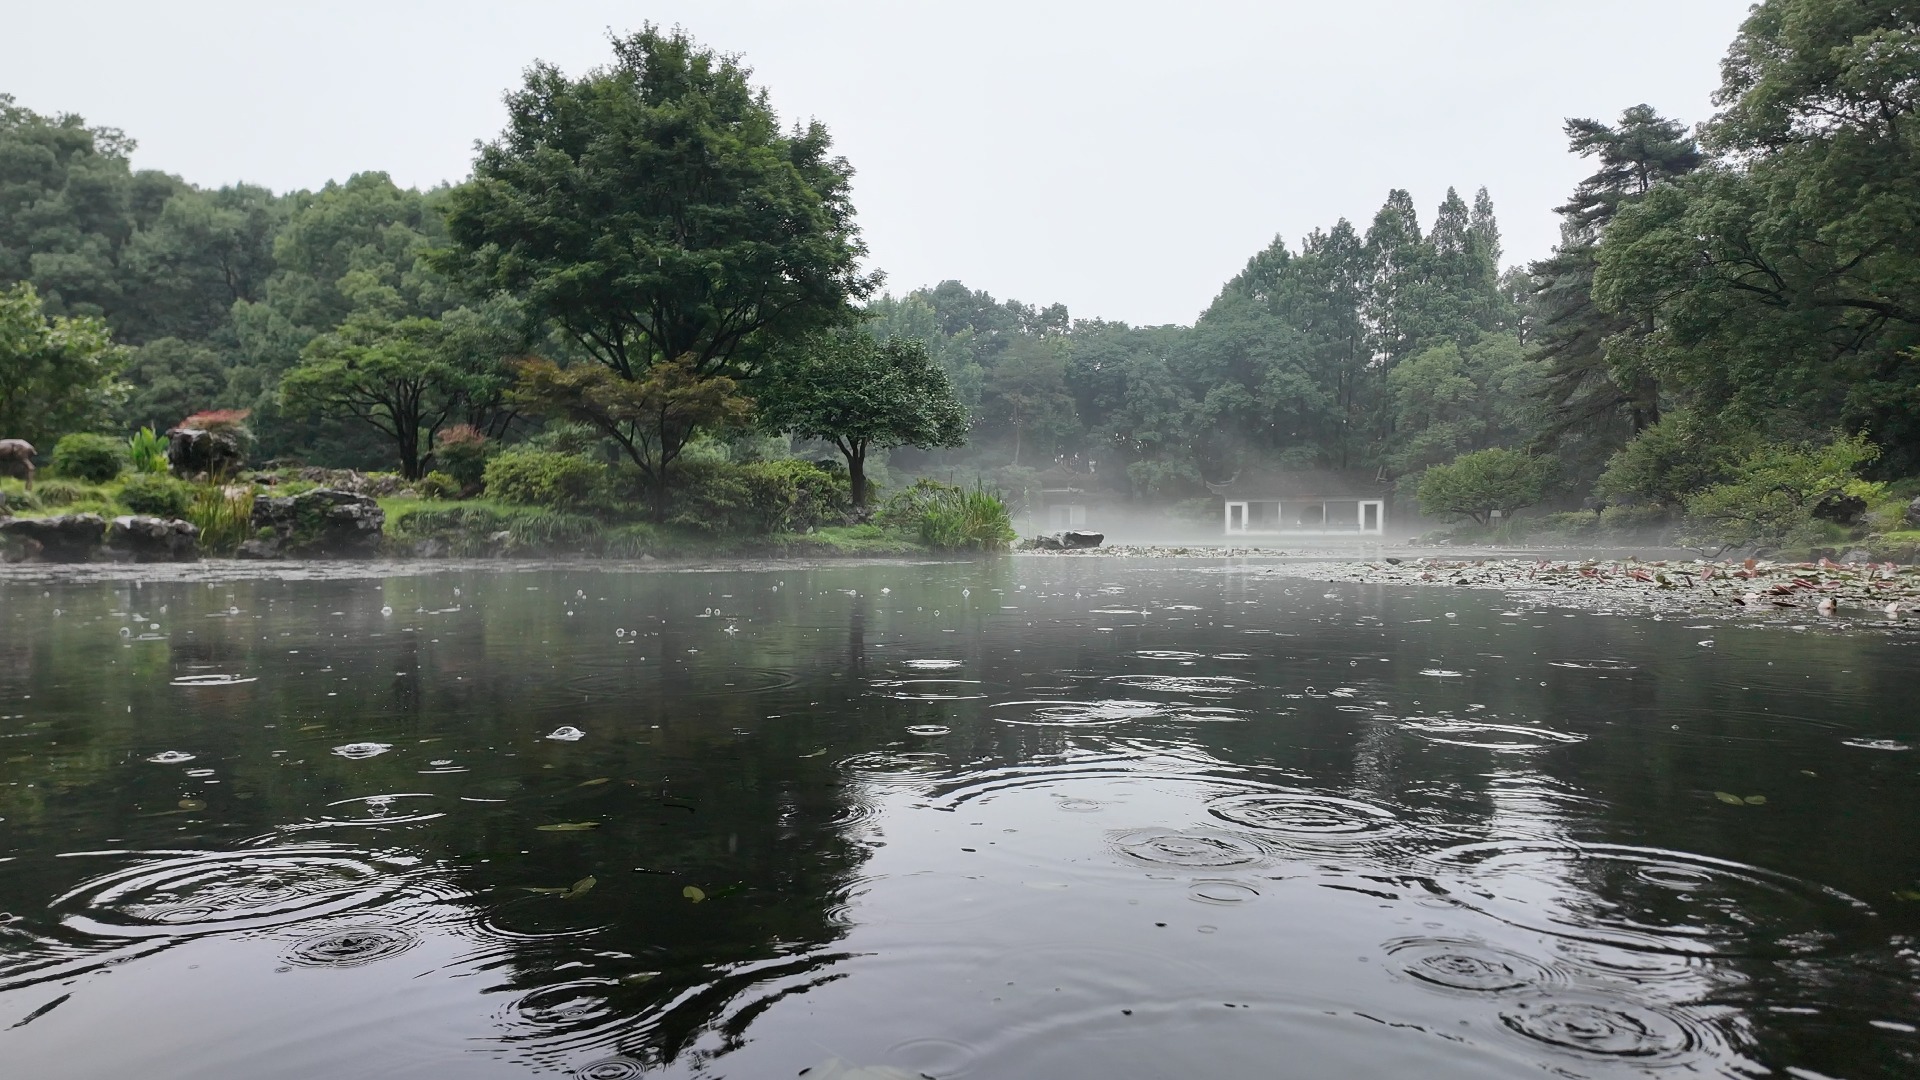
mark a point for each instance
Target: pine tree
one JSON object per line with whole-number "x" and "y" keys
{"x": 1595, "y": 396}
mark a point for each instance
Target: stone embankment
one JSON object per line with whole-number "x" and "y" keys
{"x": 321, "y": 524}
{"x": 78, "y": 538}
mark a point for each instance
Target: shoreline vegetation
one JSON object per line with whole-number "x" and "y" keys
{"x": 646, "y": 324}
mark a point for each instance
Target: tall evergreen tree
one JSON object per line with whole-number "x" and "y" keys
{"x": 1598, "y": 397}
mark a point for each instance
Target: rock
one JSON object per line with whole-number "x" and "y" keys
{"x": 266, "y": 548}
{"x": 1857, "y": 555}
{"x": 1840, "y": 509}
{"x": 1067, "y": 541}
{"x": 152, "y": 539}
{"x": 323, "y": 523}
{"x": 3, "y": 504}
{"x": 1913, "y": 513}
{"x": 430, "y": 549}
{"x": 67, "y": 538}
{"x": 194, "y": 451}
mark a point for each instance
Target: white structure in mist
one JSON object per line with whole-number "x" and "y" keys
{"x": 1307, "y": 517}
{"x": 1295, "y": 504}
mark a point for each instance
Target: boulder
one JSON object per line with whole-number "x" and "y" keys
{"x": 152, "y": 539}
{"x": 193, "y": 451}
{"x": 67, "y": 538}
{"x": 1913, "y": 514}
{"x": 1069, "y": 541}
{"x": 323, "y": 523}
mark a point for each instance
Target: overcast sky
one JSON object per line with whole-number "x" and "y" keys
{"x": 1123, "y": 158}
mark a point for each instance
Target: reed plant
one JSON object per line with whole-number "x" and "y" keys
{"x": 224, "y": 515}
{"x": 955, "y": 519}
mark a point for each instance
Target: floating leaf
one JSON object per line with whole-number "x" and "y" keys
{"x": 1756, "y": 800}
{"x": 569, "y": 826}
{"x": 694, "y": 893}
{"x": 1729, "y": 798}
{"x": 546, "y": 890}
{"x": 1906, "y": 894}
{"x": 581, "y": 887}
{"x": 192, "y": 804}
{"x": 594, "y": 782}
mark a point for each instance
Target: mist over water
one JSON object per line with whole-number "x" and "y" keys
{"x": 1066, "y": 818}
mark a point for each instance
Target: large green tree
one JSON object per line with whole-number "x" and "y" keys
{"x": 861, "y": 394}
{"x": 1598, "y": 396}
{"x": 1783, "y": 281}
{"x": 655, "y": 209}
{"x": 403, "y": 378}
{"x": 56, "y": 373}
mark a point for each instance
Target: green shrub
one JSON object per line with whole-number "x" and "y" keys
{"x": 546, "y": 478}
{"x": 554, "y": 530}
{"x": 1476, "y": 485}
{"x": 758, "y": 498}
{"x": 1673, "y": 459}
{"x": 631, "y": 541}
{"x": 18, "y": 498}
{"x": 439, "y": 485}
{"x": 156, "y": 494}
{"x": 958, "y": 520}
{"x": 55, "y": 493}
{"x": 147, "y": 451}
{"x": 1769, "y": 502}
{"x": 1635, "y": 518}
{"x": 466, "y": 530}
{"x": 461, "y": 452}
{"x": 96, "y": 459}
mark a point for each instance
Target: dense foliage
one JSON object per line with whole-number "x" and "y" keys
{"x": 648, "y": 266}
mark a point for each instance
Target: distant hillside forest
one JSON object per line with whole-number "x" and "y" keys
{"x": 1719, "y": 292}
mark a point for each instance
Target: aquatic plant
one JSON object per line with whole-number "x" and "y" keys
{"x": 959, "y": 520}
{"x": 223, "y": 515}
{"x": 147, "y": 450}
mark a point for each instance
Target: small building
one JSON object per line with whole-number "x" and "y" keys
{"x": 1306, "y": 504}
{"x": 1064, "y": 508}
{"x": 1067, "y": 496}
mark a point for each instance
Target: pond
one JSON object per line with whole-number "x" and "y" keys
{"x": 1072, "y": 819}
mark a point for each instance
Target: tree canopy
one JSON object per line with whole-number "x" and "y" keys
{"x": 56, "y": 373}
{"x": 861, "y": 394}
{"x": 655, "y": 210}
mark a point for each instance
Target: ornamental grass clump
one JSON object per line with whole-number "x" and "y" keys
{"x": 224, "y": 516}
{"x": 955, "y": 519}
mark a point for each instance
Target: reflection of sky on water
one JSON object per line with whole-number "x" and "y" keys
{"x": 1074, "y": 820}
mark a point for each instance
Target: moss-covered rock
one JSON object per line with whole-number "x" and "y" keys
{"x": 319, "y": 524}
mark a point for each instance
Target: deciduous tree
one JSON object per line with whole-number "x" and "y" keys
{"x": 860, "y": 394}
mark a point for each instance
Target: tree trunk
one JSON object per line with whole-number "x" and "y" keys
{"x": 857, "y": 476}
{"x": 660, "y": 497}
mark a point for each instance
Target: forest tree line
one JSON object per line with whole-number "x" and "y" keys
{"x": 1719, "y": 291}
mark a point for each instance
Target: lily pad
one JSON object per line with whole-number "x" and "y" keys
{"x": 1729, "y": 798}
{"x": 694, "y": 893}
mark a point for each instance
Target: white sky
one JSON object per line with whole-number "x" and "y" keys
{"x": 1122, "y": 157}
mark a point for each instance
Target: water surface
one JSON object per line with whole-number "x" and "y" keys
{"x": 1074, "y": 819}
